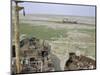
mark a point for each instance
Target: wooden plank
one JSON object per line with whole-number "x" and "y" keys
{"x": 16, "y": 30}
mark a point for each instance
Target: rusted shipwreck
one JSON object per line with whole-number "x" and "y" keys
{"x": 34, "y": 56}
{"x": 79, "y": 62}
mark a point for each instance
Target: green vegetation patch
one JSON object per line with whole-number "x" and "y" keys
{"x": 41, "y": 32}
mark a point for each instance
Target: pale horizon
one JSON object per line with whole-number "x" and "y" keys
{"x": 58, "y": 9}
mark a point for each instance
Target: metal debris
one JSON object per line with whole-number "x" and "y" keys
{"x": 79, "y": 62}
{"x": 34, "y": 56}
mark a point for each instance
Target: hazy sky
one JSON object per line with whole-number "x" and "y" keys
{"x": 58, "y": 9}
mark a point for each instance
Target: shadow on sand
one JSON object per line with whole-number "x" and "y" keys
{"x": 56, "y": 62}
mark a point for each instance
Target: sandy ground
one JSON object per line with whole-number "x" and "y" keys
{"x": 79, "y": 38}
